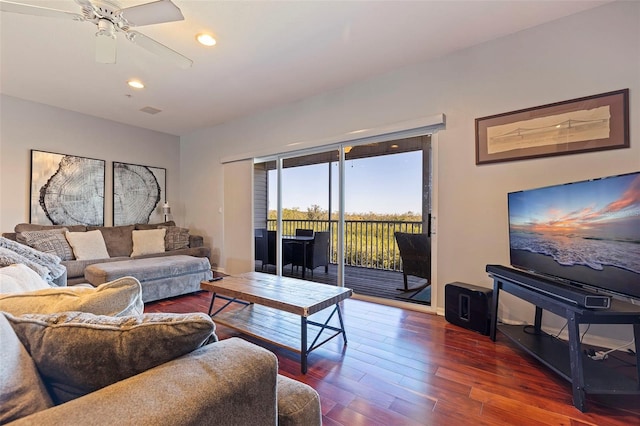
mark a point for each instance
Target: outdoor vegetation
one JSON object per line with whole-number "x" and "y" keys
{"x": 369, "y": 237}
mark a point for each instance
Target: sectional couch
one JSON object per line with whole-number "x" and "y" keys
{"x": 90, "y": 356}
{"x": 170, "y": 275}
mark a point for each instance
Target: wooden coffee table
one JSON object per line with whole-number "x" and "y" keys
{"x": 277, "y": 310}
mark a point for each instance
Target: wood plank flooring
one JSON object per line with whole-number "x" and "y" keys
{"x": 404, "y": 367}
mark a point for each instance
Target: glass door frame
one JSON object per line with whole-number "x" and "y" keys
{"x": 279, "y": 159}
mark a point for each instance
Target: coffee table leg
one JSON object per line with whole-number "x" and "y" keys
{"x": 303, "y": 345}
{"x": 344, "y": 332}
{"x": 213, "y": 298}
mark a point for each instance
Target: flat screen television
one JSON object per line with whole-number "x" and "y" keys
{"x": 583, "y": 233}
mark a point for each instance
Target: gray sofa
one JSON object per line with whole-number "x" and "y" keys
{"x": 119, "y": 242}
{"x": 91, "y": 356}
{"x": 230, "y": 382}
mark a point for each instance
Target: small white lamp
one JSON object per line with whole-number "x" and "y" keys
{"x": 166, "y": 210}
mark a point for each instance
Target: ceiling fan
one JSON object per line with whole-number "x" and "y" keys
{"x": 111, "y": 19}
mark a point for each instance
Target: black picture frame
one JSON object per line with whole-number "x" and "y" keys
{"x": 138, "y": 193}
{"x": 66, "y": 189}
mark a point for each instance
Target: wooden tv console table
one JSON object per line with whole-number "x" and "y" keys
{"x": 566, "y": 358}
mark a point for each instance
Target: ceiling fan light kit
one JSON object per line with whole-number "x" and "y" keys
{"x": 105, "y": 42}
{"x": 110, "y": 19}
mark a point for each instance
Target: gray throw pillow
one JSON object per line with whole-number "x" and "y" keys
{"x": 51, "y": 241}
{"x": 26, "y": 227}
{"x": 77, "y": 353}
{"x": 176, "y": 238}
{"x": 21, "y": 390}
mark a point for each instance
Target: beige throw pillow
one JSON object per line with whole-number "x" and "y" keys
{"x": 78, "y": 353}
{"x": 87, "y": 245}
{"x": 148, "y": 242}
{"x": 120, "y": 297}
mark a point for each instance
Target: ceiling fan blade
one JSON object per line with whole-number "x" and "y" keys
{"x": 105, "y": 49}
{"x": 159, "y": 49}
{"x": 156, "y": 12}
{"x": 27, "y": 9}
{"x": 87, "y": 8}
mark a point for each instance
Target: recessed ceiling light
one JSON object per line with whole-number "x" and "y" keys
{"x": 136, "y": 84}
{"x": 206, "y": 39}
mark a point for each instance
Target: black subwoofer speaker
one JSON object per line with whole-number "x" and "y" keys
{"x": 468, "y": 306}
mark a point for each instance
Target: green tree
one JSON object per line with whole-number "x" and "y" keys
{"x": 315, "y": 212}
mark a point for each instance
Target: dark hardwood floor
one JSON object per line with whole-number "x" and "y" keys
{"x": 404, "y": 367}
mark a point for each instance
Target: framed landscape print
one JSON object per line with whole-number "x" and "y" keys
{"x": 137, "y": 193}
{"x": 592, "y": 123}
{"x": 66, "y": 189}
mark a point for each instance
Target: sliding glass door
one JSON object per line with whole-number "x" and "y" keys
{"x": 355, "y": 198}
{"x": 305, "y": 187}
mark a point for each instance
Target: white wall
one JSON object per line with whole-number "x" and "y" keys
{"x": 593, "y": 52}
{"x": 27, "y": 125}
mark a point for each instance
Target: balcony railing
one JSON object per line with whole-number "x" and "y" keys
{"x": 368, "y": 243}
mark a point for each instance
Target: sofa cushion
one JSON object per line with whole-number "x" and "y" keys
{"x": 147, "y": 269}
{"x": 21, "y": 390}
{"x": 120, "y": 297}
{"x": 87, "y": 245}
{"x": 298, "y": 403}
{"x": 24, "y": 227}
{"x": 145, "y": 226}
{"x": 117, "y": 239}
{"x": 78, "y": 353}
{"x": 176, "y": 238}
{"x": 50, "y": 241}
{"x": 75, "y": 268}
{"x": 148, "y": 242}
{"x": 18, "y": 278}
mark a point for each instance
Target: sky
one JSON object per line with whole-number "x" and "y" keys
{"x": 587, "y": 206}
{"x": 385, "y": 185}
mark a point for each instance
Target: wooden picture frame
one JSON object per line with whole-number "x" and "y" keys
{"x": 592, "y": 123}
{"x": 66, "y": 189}
{"x": 138, "y": 193}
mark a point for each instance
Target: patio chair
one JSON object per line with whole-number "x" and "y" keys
{"x": 415, "y": 253}
{"x": 271, "y": 250}
{"x": 297, "y": 249}
{"x": 261, "y": 246}
{"x": 317, "y": 253}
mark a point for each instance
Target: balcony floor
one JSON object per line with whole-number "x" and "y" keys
{"x": 364, "y": 281}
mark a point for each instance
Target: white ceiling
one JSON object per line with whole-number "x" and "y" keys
{"x": 268, "y": 53}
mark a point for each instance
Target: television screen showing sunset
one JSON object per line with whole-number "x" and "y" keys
{"x": 583, "y": 228}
